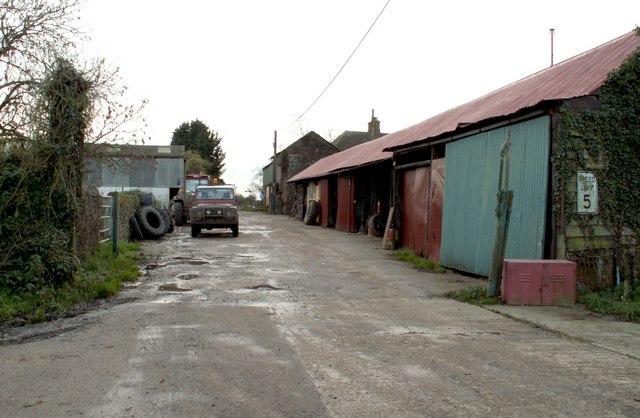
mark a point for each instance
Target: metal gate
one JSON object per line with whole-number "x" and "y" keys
{"x": 106, "y": 208}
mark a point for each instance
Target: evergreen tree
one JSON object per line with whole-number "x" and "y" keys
{"x": 197, "y": 137}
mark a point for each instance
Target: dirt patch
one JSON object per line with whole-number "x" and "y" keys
{"x": 17, "y": 332}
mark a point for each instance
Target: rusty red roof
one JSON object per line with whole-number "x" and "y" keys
{"x": 368, "y": 153}
{"x": 579, "y": 76}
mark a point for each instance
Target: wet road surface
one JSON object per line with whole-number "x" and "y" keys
{"x": 289, "y": 320}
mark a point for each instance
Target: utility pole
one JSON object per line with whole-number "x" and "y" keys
{"x": 552, "y": 32}
{"x": 273, "y": 179}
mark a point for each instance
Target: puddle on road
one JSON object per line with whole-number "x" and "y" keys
{"x": 188, "y": 276}
{"x": 276, "y": 270}
{"x": 260, "y": 257}
{"x": 172, "y": 287}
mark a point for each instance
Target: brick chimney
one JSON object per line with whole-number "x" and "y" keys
{"x": 374, "y": 126}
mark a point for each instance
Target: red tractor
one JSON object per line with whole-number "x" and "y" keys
{"x": 183, "y": 201}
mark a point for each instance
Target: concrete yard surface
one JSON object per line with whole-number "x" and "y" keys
{"x": 290, "y": 320}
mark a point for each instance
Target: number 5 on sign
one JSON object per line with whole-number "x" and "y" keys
{"x": 587, "y": 192}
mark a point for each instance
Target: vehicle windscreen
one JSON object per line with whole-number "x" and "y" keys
{"x": 215, "y": 193}
{"x": 191, "y": 184}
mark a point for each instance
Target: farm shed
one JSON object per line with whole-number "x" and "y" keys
{"x": 546, "y": 217}
{"x": 444, "y": 171}
{"x": 353, "y": 185}
{"x": 151, "y": 168}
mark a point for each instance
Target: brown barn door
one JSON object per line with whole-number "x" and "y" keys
{"x": 346, "y": 194}
{"x": 436, "y": 203}
{"x": 415, "y": 209}
{"x": 324, "y": 202}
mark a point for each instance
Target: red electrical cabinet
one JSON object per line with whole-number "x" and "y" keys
{"x": 538, "y": 282}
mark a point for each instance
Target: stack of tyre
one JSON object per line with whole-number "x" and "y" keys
{"x": 151, "y": 220}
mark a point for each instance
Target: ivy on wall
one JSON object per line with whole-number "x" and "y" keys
{"x": 40, "y": 188}
{"x": 605, "y": 142}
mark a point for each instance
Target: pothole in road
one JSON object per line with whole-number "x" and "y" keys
{"x": 189, "y": 261}
{"x": 153, "y": 266}
{"x": 263, "y": 287}
{"x": 176, "y": 261}
{"x": 172, "y": 287}
{"x": 187, "y": 276}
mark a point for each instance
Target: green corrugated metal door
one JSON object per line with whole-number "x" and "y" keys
{"x": 468, "y": 224}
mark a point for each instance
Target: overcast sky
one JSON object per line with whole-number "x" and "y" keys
{"x": 247, "y": 68}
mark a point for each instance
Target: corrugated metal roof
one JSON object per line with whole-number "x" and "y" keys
{"x": 129, "y": 150}
{"x": 579, "y": 76}
{"x": 363, "y": 154}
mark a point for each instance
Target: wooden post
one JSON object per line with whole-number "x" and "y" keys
{"x": 274, "y": 172}
{"x": 114, "y": 223}
{"x": 503, "y": 212}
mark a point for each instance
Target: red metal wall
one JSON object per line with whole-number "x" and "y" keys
{"x": 324, "y": 202}
{"x": 415, "y": 209}
{"x": 346, "y": 194}
{"x": 436, "y": 200}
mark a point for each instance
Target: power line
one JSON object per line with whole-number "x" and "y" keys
{"x": 343, "y": 65}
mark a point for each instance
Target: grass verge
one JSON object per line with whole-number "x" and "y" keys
{"x": 98, "y": 277}
{"x": 475, "y": 295}
{"x": 610, "y": 302}
{"x": 420, "y": 263}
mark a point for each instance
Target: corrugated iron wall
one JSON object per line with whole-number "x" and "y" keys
{"x": 469, "y": 221}
{"x": 149, "y": 172}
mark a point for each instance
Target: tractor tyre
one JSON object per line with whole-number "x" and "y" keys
{"x": 313, "y": 210}
{"x": 165, "y": 218}
{"x": 178, "y": 209}
{"x": 376, "y": 225}
{"x": 146, "y": 199}
{"x": 135, "y": 233}
{"x": 151, "y": 222}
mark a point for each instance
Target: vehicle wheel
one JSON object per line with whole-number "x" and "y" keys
{"x": 146, "y": 199}
{"x": 178, "y": 209}
{"x": 135, "y": 233}
{"x": 234, "y": 230}
{"x": 195, "y": 230}
{"x": 165, "y": 218}
{"x": 151, "y": 222}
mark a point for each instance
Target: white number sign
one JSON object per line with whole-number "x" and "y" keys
{"x": 587, "y": 192}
